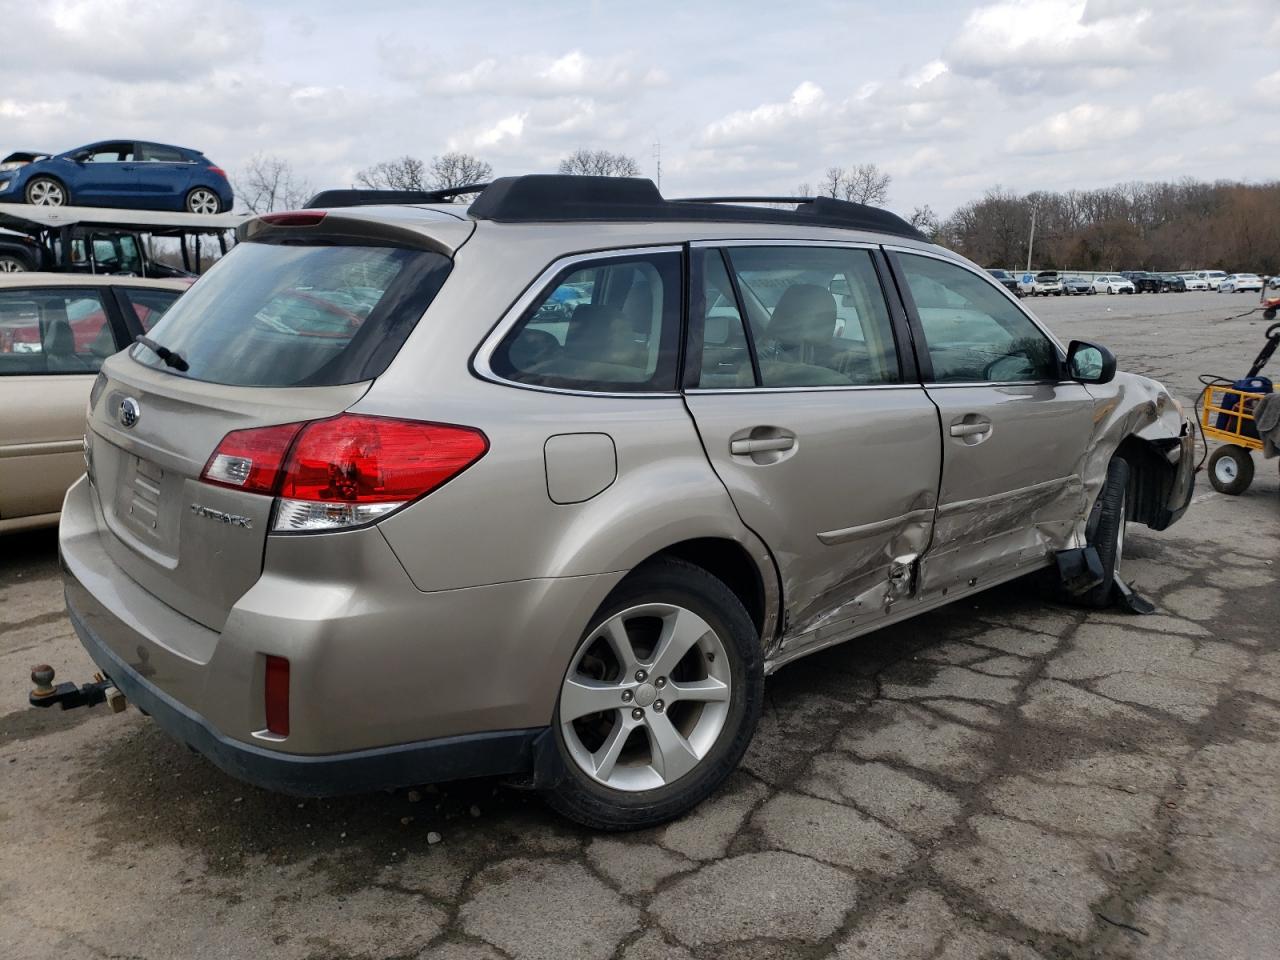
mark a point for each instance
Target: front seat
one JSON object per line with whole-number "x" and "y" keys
{"x": 59, "y": 346}
{"x": 798, "y": 347}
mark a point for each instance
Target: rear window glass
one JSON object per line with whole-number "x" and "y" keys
{"x": 276, "y": 315}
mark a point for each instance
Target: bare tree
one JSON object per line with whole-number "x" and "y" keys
{"x": 402, "y": 173}
{"x": 926, "y": 221}
{"x": 599, "y": 163}
{"x": 457, "y": 170}
{"x": 865, "y": 183}
{"x": 267, "y": 183}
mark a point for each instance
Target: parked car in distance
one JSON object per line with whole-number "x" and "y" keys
{"x": 55, "y": 331}
{"x": 1073, "y": 286}
{"x": 1194, "y": 281}
{"x": 1007, "y": 280}
{"x": 1047, "y": 283}
{"x": 118, "y": 173}
{"x": 1212, "y": 277}
{"x": 1172, "y": 283}
{"x": 368, "y": 527}
{"x": 1240, "y": 283}
{"x": 1112, "y": 283}
{"x": 1143, "y": 282}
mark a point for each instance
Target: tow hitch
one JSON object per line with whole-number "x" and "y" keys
{"x": 68, "y": 696}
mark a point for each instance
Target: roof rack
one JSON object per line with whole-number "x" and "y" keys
{"x": 361, "y": 198}
{"x": 559, "y": 198}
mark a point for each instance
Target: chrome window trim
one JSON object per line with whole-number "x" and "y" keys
{"x": 977, "y": 272}
{"x": 911, "y": 385}
{"x": 756, "y": 242}
{"x": 481, "y": 365}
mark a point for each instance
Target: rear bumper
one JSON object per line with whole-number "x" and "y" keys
{"x": 496, "y": 753}
{"x": 389, "y": 685}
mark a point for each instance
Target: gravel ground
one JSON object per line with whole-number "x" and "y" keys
{"x": 1003, "y": 778}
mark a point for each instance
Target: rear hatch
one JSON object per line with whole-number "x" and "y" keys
{"x": 292, "y": 326}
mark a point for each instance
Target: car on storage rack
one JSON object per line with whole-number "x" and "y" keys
{"x": 375, "y": 509}
{"x": 1072, "y": 286}
{"x": 118, "y": 173}
{"x": 55, "y": 331}
{"x": 1240, "y": 282}
{"x": 1112, "y": 283}
{"x": 18, "y": 252}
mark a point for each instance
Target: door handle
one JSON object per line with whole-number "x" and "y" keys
{"x": 969, "y": 429}
{"x": 762, "y": 445}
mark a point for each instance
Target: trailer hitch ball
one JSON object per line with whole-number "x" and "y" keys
{"x": 42, "y": 679}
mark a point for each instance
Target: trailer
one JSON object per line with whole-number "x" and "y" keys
{"x": 107, "y": 240}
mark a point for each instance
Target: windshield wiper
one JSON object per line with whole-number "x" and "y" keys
{"x": 171, "y": 357}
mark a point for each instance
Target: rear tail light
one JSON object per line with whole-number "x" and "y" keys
{"x": 218, "y": 170}
{"x": 345, "y": 471}
{"x": 276, "y": 695}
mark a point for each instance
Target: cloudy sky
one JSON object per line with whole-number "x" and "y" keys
{"x": 949, "y": 96}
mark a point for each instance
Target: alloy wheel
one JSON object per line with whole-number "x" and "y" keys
{"x": 646, "y": 697}
{"x": 46, "y": 193}
{"x": 202, "y": 201}
{"x": 10, "y": 265}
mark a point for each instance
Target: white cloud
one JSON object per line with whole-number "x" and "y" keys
{"x": 572, "y": 73}
{"x": 1079, "y": 128}
{"x": 768, "y": 120}
{"x": 1195, "y": 107}
{"x": 1267, "y": 89}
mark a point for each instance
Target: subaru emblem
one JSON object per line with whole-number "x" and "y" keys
{"x": 129, "y": 412}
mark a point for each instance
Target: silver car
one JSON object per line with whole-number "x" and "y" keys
{"x": 544, "y": 487}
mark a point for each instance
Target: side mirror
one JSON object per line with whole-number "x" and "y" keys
{"x": 1090, "y": 363}
{"x": 80, "y": 156}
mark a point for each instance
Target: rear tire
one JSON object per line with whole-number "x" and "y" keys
{"x": 202, "y": 200}
{"x": 12, "y": 264}
{"x": 1231, "y": 470}
{"x": 623, "y": 769}
{"x": 1106, "y": 533}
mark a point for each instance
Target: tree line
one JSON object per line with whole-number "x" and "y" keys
{"x": 1177, "y": 225}
{"x": 1165, "y": 226}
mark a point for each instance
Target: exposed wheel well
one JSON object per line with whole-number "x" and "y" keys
{"x": 730, "y": 563}
{"x": 1151, "y": 478}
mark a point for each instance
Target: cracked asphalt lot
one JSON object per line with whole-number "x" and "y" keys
{"x": 1006, "y": 777}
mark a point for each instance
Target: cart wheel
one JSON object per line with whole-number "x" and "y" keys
{"x": 1231, "y": 469}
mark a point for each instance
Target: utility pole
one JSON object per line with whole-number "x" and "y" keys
{"x": 657, "y": 159}
{"x": 1031, "y": 240}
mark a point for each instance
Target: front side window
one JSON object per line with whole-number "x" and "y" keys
{"x": 111, "y": 153}
{"x": 51, "y": 331}
{"x": 974, "y": 333}
{"x": 610, "y": 325}
{"x": 817, "y": 316}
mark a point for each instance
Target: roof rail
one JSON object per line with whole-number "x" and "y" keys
{"x": 361, "y": 198}
{"x": 559, "y": 198}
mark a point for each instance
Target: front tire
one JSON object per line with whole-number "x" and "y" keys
{"x": 203, "y": 200}
{"x": 1231, "y": 469}
{"x": 660, "y": 700}
{"x": 12, "y": 264}
{"x": 1106, "y": 532}
{"x": 46, "y": 192}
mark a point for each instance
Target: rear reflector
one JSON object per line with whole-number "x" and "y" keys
{"x": 344, "y": 471}
{"x": 276, "y": 695}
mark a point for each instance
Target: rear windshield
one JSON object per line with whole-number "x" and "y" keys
{"x": 277, "y": 315}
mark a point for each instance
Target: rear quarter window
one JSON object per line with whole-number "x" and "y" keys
{"x": 275, "y": 315}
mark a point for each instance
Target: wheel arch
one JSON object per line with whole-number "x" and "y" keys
{"x": 44, "y": 175}
{"x": 1151, "y": 480}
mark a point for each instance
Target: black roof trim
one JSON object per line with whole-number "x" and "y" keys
{"x": 362, "y": 198}
{"x": 558, "y": 198}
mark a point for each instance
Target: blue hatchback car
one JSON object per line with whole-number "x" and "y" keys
{"x": 118, "y": 173}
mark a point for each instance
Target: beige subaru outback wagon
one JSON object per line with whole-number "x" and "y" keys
{"x": 544, "y": 486}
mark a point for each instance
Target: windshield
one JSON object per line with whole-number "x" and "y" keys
{"x": 276, "y": 315}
